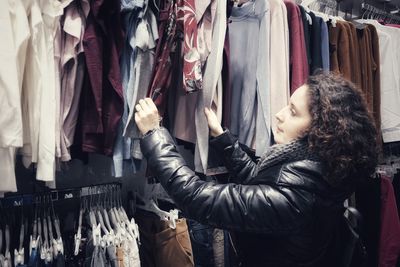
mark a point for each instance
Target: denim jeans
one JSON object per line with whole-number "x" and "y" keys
{"x": 201, "y": 237}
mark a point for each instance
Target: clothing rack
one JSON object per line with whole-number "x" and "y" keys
{"x": 368, "y": 11}
{"x": 57, "y": 195}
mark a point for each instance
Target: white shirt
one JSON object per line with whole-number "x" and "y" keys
{"x": 10, "y": 97}
{"x": 389, "y": 43}
{"x": 49, "y": 135}
{"x": 35, "y": 66}
{"x": 279, "y": 58}
{"x": 14, "y": 20}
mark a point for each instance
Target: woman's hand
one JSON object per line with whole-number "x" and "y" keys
{"x": 213, "y": 123}
{"x": 146, "y": 116}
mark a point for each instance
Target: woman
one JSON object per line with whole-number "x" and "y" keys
{"x": 285, "y": 206}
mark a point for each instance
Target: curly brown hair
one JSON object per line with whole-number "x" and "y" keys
{"x": 342, "y": 132}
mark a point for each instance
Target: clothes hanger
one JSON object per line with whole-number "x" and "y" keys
{"x": 124, "y": 233}
{"x": 19, "y": 253}
{"x": 58, "y": 245}
{"x": 155, "y": 5}
{"x": 124, "y": 217}
{"x": 306, "y": 4}
{"x": 48, "y": 218}
{"x": 110, "y": 234}
{"x": 34, "y": 238}
{"x": 78, "y": 235}
{"x": 150, "y": 205}
{"x": 46, "y": 248}
{"x": 118, "y": 231}
{"x": 105, "y": 214}
{"x": 7, "y": 253}
{"x": 96, "y": 231}
{"x": 100, "y": 217}
{"x": 43, "y": 245}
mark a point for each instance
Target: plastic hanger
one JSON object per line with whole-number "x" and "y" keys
{"x": 46, "y": 251}
{"x": 58, "y": 245}
{"x": 78, "y": 235}
{"x": 96, "y": 232}
{"x": 151, "y": 206}
{"x": 306, "y": 4}
{"x": 101, "y": 221}
{"x": 122, "y": 233}
{"x": 104, "y": 211}
{"x": 7, "y": 253}
{"x": 110, "y": 232}
{"x": 19, "y": 253}
{"x": 155, "y": 5}
{"x": 124, "y": 217}
{"x": 34, "y": 238}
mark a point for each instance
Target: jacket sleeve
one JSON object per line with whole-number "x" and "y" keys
{"x": 238, "y": 162}
{"x": 250, "y": 208}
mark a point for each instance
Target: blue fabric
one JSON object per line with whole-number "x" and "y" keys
{"x": 249, "y": 65}
{"x": 325, "y": 46}
{"x": 33, "y": 258}
{"x": 89, "y": 249}
{"x": 201, "y": 237}
{"x": 98, "y": 257}
{"x": 131, "y": 15}
{"x": 59, "y": 261}
{"x": 226, "y": 249}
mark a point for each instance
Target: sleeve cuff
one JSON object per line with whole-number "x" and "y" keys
{"x": 223, "y": 140}
{"x": 152, "y": 138}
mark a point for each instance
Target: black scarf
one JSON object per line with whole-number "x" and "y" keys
{"x": 284, "y": 153}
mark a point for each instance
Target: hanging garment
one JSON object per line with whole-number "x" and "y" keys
{"x": 211, "y": 95}
{"x": 219, "y": 248}
{"x": 227, "y": 90}
{"x": 103, "y": 93}
{"x": 389, "y": 242}
{"x": 325, "y": 46}
{"x": 161, "y": 75}
{"x": 146, "y": 38}
{"x": 389, "y": 56}
{"x": 368, "y": 203}
{"x": 279, "y": 58}
{"x": 184, "y": 126}
{"x": 375, "y": 106}
{"x": 370, "y": 70}
{"x": 131, "y": 253}
{"x": 99, "y": 257}
{"x": 340, "y": 56}
{"x": 298, "y": 53}
{"x": 356, "y": 73}
{"x": 192, "y": 74}
{"x": 11, "y": 118}
{"x": 162, "y": 246}
{"x": 13, "y": 52}
{"x": 201, "y": 238}
{"x": 132, "y": 13}
{"x": 49, "y": 104}
{"x": 33, "y": 82}
{"x": 120, "y": 257}
{"x": 72, "y": 72}
{"x": 315, "y": 42}
{"x": 251, "y": 92}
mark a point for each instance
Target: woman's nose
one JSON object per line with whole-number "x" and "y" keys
{"x": 278, "y": 115}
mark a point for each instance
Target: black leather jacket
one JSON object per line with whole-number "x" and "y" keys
{"x": 283, "y": 216}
